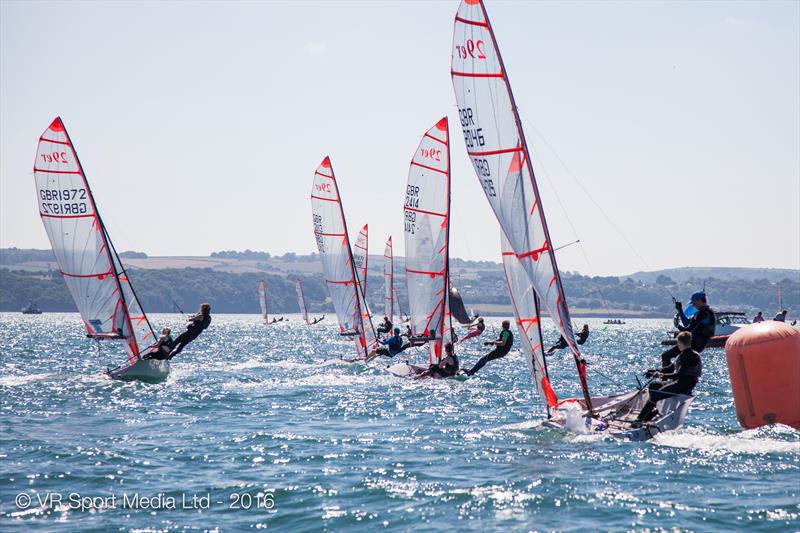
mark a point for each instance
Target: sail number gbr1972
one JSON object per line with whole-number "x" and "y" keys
{"x": 64, "y": 201}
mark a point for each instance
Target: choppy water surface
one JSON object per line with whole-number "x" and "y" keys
{"x": 264, "y": 417}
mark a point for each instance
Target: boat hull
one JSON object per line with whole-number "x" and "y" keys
{"x": 146, "y": 370}
{"x": 615, "y": 415}
{"x": 714, "y": 342}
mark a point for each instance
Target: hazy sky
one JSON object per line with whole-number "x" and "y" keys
{"x": 200, "y": 124}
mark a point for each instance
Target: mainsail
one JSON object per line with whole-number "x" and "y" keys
{"x": 457, "y": 309}
{"x": 361, "y": 256}
{"x": 496, "y": 145}
{"x": 330, "y": 231}
{"x": 388, "y": 279}
{"x": 526, "y": 309}
{"x": 262, "y": 299}
{"x": 427, "y": 226}
{"x": 301, "y": 299}
{"x": 89, "y": 264}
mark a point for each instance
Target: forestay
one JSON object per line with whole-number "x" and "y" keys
{"x": 301, "y": 299}
{"x": 330, "y": 231}
{"x": 427, "y": 220}
{"x": 526, "y": 309}
{"x": 496, "y": 146}
{"x": 388, "y": 280}
{"x": 262, "y": 299}
{"x": 92, "y": 271}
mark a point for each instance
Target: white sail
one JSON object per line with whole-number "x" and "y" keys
{"x": 88, "y": 262}
{"x": 427, "y": 221}
{"x": 496, "y": 145}
{"x": 301, "y": 299}
{"x": 361, "y": 256}
{"x": 330, "y": 231}
{"x": 526, "y": 309}
{"x": 262, "y": 299}
{"x": 388, "y": 280}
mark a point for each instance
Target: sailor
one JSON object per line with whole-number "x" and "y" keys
{"x": 394, "y": 345}
{"x": 163, "y": 347}
{"x": 502, "y": 347}
{"x": 680, "y": 377}
{"x": 580, "y": 338}
{"x": 781, "y": 317}
{"x": 320, "y": 319}
{"x": 385, "y": 326}
{"x": 197, "y": 323}
{"x": 702, "y": 326}
{"x": 759, "y": 318}
{"x": 475, "y": 329}
{"x": 448, "y": 365}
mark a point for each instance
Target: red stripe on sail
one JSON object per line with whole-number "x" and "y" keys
{"x": 318, "y": 173}
{"x": 429, "y": 168}
{"x": 328, "y": 234}
{"x": 64, "y": 216}
{"x": 54, "y": 141}
{"x": 426, "y": 272}
{"x": 56, "y": 171}
{"x": 425, "y": 212}
{"x": 496, "y": 152}
{"x": 98, "y": 276}
{"x": 473, "y": 22}
{"x": 428, "y": 135}
{"x": 477, "y": 74}
{"x": 325, "y": 199}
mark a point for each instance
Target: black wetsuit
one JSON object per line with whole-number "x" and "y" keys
{"x": 385, "y": 327}
{"x": 702, "y": 326}
{"x": 682, "y": 377}
{"x": 580, "y": 338}
{"x": 448, "y": 371}
{"x": 497, "y": 353}
{"x": 162, "y": 348}
{"x": 194, "y": 328}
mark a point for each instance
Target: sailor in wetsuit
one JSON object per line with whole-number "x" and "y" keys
{"x": 394, "y": 345}
{"x": 475, "y": 329}
{"x": 385, "y": 326}
{"x": 197, "y": 323}
{"x": 681, "y": 377}
{"x": 447, "y": 367}
{"x": 163, "y": 347}
{"x": 702, "y": 326}
{"x": 580, "y": 338}
{"x": 502, "y": 347}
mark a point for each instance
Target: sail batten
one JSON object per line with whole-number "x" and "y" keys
{"x": 427, "y": 226}
{"x": 90, "y": 266}
{"x": 498, "y": 150}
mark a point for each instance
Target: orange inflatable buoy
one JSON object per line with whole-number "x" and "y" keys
{"x": 764, "y": 365}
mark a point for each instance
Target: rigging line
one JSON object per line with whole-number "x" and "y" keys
{"x": 589, "y": 196}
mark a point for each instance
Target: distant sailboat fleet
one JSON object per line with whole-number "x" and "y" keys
{"x": 497, "y": 148}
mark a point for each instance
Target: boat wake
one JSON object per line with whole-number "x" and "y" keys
{"x": 772, "y": 439}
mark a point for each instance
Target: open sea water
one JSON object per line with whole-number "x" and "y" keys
{"x": 260, "y": 427}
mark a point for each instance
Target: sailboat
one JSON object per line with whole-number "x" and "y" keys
{"x": 262, "y": 299}
{"x": 499, "y": 153}
{"x": 427, "y": 232}
{"x": 361, "y": 256}
{"x": 341, "y": 278}
{"x": 89, "y": 263}
{"x": 402, "y": 317}
{"x": 388, "y": 280}
{"x": 301, "y": 299}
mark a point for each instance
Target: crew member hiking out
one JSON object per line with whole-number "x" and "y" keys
{"x": 385, "y": 326}
{"x": 475, "y": 330}
{"x": 680, "y": 377}
{"x": 447, "y": 367}
{"x": 580, "y": 338}
{"x": 197, "y": 323}
{"x": 163, "y": 347}
{"x": 393, "y": 345}
{"x": 502, "y": 347}
{"x": 702, "y": 326}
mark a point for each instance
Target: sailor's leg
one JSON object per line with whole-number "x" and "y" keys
{"x": 652, "y": 397}
{"x": 482, "y": 361}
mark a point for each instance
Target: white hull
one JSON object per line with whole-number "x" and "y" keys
{"x": 615, "y": 415}
{"x": 147, "y": 370}
{"x": 405, "y": 370}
